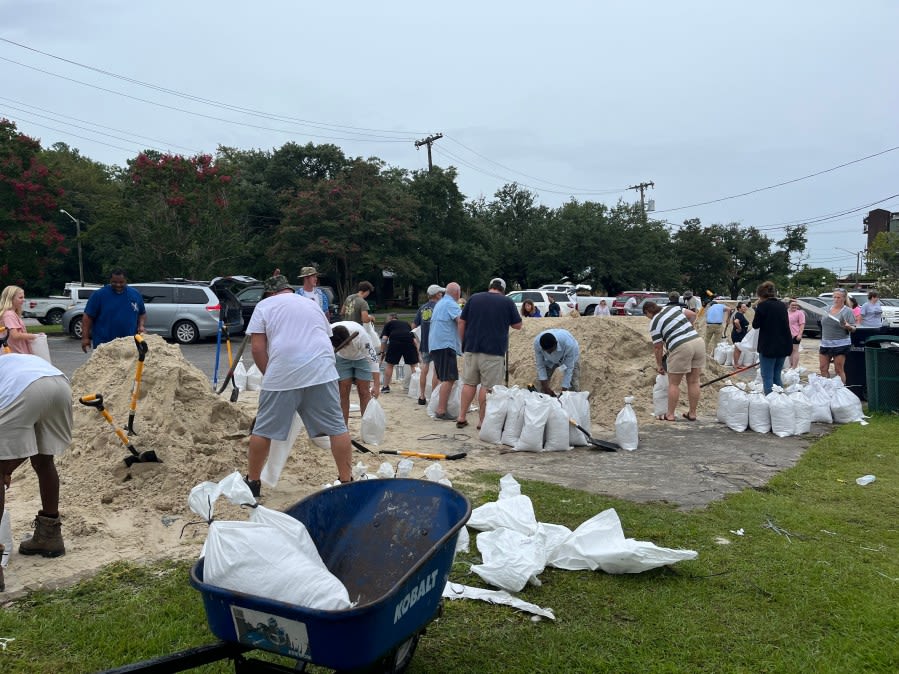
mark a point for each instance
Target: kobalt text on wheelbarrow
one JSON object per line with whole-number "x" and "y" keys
{"x": 391, "y": 542}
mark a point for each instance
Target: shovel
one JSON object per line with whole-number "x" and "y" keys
{"x": 229, "y": 378}
{"x": 417, "y": 455}
{"x": 149, "y": 456}
{"x": 729, "y": 374}
{"x": 142, "y": 349}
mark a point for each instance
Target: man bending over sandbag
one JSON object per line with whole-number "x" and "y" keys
{"x": 556, "y": 349}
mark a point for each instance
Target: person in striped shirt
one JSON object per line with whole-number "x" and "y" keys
{"x": 671, "y": 330}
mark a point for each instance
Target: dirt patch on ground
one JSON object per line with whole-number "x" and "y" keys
{"x": 111, "y": 512}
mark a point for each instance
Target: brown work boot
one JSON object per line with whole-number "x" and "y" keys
{"x": 47, "y": 538}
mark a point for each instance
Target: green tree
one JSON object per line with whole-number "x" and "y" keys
{"x": 811, "y": 281}
{"x": 883, "y": 261}
{"x": 515, "y": 221}
{"x": 29, "y": 239}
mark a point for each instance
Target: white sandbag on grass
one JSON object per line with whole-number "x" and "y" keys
{"x": 845, "y": 406}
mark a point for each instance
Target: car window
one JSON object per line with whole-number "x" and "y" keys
{"x": 559, "y": 297}
{"x": 533, "y": 296}
{"x": 251, "y": 294}
{"x": 515, "y": 297}
{"x": 192, "y": 296}
{"x": 156, "y": 294}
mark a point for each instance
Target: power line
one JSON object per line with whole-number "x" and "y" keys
{"x": 75, "y": 135}
{"x": 211, "y": 102}
{"x": 786, "y": 182}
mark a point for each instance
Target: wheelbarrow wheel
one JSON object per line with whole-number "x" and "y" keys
{"x": 396, "y": 661}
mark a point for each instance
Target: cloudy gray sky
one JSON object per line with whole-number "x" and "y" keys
{"x": 570, "y": 98}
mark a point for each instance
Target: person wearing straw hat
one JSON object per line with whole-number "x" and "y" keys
{"x": 310, "y": 289}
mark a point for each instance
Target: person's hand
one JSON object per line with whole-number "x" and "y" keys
{"x": 545, "y": 388}
{"x": 7, "y": 479}
{"x": 85, "y": 344}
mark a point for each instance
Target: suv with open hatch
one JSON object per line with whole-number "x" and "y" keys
{"x": 180, "y": 309}
{"x": 542, "y": 298}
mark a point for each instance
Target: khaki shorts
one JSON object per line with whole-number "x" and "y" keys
{"x": 687, "y": 356}
{"x": 484, "y": 369}
{"x": 39, "y": 421}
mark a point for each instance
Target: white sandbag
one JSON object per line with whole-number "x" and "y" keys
{"x": 750, "y": 343}
{"x": 747, "y": 357}
{"x": 790, "y": 377}
{"x": 802, "y": 412}
{"x": 729, "y": 355}
{"x": 415, "y": 384}
{"x": 660, "y": 395}
{"x": 627, "y": 432}
{"x": 759, "y": 413}
{"x": 240, "y": 376}
{"x": 510, "y": 559}
{"x": 495, "y": 415}
{"x": 254, "y": 378}
{"x": 40, "y": 348}
{"x": 512, "y": 512}
{"x": 733, "y": 407}
{"x": 577, "y": 405}
{"x": 536, "y": 412}
{"x": 599, "y": 543}
{"x": 514, "y": 417}
{"x": 374, "y": 423}
{"x": 272, "y": 556}
{"x": 555, "y": 435}
{"x": 720, "y": 353}
{"x": 279, "y": 452}
{"x": 780, "y": 407}
{"x": 845, "y": 406}
{"x": 819, "y": 397}
{"x": 453, "y": 403}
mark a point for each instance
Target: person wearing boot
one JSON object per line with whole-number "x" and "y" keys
{"x": 35, "y": 424}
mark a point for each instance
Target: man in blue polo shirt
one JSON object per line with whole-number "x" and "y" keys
{"x": 717, "y": 316}
{"x": 114, "y": 311}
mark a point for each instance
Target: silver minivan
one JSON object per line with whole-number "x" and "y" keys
{"x": 185, "y": 311}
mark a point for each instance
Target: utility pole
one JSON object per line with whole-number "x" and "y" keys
{"x": 429, "y": 141}
{"x": 642, "y": 187}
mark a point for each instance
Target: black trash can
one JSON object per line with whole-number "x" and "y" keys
{"x": 856, "y": 380}
{"x": 882, "y": 356}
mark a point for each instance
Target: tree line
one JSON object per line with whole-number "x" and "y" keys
{"x": 251, "y": 211}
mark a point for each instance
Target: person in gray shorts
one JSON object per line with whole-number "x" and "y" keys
{"x": 291, "y": 343}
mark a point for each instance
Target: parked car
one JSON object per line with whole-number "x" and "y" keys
{"x": 637, "y": 309}
{"x": 617, "y": 308}
{"x": 249, "y": 297}
{"x": 542, "y": 298}
{"x": 580, "y": 294}
{"x": 49, "y": 310}
{"x": 183, "y": 310}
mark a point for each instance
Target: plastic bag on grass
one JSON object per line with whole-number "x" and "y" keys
{"x": 510, "y": 559}
{"x": 513, "y": 512}
{"x": 374, "y": 423}
{"x": 599, "y": 543}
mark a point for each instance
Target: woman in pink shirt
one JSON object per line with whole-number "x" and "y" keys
{"x": 11, "y": 302}
{"x": 797, "y": 325}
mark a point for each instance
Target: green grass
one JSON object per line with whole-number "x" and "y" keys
{"x": 47, "y": 329}
{"x": 812, "y": 586}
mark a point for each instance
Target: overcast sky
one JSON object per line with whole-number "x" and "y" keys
{"x": 705, "y": 99}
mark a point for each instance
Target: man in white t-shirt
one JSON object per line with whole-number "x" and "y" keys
{"x": 291, "y": 343}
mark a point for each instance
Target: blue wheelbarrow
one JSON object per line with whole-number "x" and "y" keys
{"x": 391, "y": 543}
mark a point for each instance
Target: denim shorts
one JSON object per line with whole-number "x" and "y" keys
{"x": 359, "y": 369}
{"x": 834, "y": 351}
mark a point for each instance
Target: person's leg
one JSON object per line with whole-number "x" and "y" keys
{"x": 446, "y": 388}
{"x": 423, "y": 381}
{"x": 466, "y": 397}
{"x": 342, "y": 451}
{"x": 388, "y": 377}
{"x": 345, "y": 386}
{"x": 257, "y": 455}
{"x": 794, "y": 357}
{"x": 47, "y": 483}
{"x": 673, "y": 394}
{"x": 693, "y": 391}
{"x": 363, "y": 388}
{"x": 824, "y": 364}
{"x": 778, "y": 369}
{"x": 482, "y": 404}
{"x": 766, "y": 367}
{"x": 839, "y": 367}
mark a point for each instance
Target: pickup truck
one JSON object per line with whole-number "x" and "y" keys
{"x": 49, "y": 310}
{"x": 586, "y": 303}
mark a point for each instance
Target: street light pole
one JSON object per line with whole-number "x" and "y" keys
{"x": 78, "y": 241}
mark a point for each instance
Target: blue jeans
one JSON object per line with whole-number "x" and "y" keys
{"x": 771, "y": 369}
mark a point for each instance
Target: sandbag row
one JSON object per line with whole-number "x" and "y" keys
{"x": 528, "y": 421}
{"x": 787, "y": 411}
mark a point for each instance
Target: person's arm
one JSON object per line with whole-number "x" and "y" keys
{"x": 460, "y": 327}
{"x": 658, "y": 352}
{"x": 691, "y": 315}
{"x": 141, "y": 319}
{"x": 540, "y": 362}
{"x": 569, "y": 360}
{"x": 87, "y": 324}
{"x": 259, "y": 349}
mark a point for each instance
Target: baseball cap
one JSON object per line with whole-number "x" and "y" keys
{"x": 435, "y": 289}
{"x": 276, "y": 284}
{"x": 498, "y": 282}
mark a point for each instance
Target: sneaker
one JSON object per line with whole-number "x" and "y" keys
{"x": 385, "y": 389}
{"x": 422, "y": 401}
{"x": 255, "y": 487}
{"x": 445, "y": 416}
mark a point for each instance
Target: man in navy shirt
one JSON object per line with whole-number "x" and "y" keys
{"x": 114, "y": 311}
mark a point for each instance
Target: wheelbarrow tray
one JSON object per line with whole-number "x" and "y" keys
{"x": 391, "y": 542}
